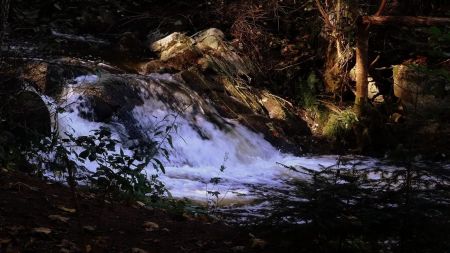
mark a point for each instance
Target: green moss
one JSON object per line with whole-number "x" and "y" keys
{"x": 340, "y": 125}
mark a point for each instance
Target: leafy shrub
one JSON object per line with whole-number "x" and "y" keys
{"x": 214, "y": 197}
{"x": 357, "y": 207}
{"x": 118, "y": 174}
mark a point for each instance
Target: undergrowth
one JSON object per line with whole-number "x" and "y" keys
{"x": 358, "y": 206}
{"x": 339, "y": 126}
{"x": 97, "y": 159}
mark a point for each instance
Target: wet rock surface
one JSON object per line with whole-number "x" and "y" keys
{"x": 222, "y": 75}
{"x": 209, "y": 75}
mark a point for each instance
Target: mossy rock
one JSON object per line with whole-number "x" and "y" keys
{"x": 423, "y": 92}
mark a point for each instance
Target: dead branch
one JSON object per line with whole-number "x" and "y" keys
{"x": 405, "y": 20}
{"x": 325, "y": 16}
{"x": 381, "y": 8}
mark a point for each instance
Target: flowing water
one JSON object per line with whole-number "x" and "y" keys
{"x": 249, "y": 167}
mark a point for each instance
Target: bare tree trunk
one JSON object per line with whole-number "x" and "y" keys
{"x": 362, "y": 65}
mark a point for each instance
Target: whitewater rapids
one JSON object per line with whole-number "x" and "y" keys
{"x": 200, "y": 148}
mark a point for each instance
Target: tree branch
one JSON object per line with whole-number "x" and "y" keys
{"x": 405, "y": 20}
{"x": 381, "y": 8}
{"x": 324, "y": 14}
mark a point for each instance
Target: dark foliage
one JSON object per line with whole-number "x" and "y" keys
{"x": 351, "y": 207}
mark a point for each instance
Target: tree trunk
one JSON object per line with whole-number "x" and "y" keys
{"x": 334, "y": 73}
{"x": 362, "y": 65}
{"x": 4, "y": 12}
{"x": 339, "y": 52}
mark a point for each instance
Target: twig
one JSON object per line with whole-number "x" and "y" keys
{"x": 324, "y": 14}
{"x": 381, "y": 8}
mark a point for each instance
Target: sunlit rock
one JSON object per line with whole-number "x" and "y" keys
{"x": 209, "y": 65}
{"x": 373, "y": 90}
{"x": 274, "y": 106}
{"x": 49, "y": 78}
{"x": 212, "y": 39}
{"x": 173, "y": 45}
{"x": 422, "y": 91}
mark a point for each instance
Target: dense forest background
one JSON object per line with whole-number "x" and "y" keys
{"x": 327, "y": 77}
{"x": 304, "y": 50}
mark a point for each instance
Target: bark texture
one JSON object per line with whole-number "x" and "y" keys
{"x": 362, "y": 49}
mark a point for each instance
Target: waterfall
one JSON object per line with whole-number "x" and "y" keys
{"x": 202, "y": 148}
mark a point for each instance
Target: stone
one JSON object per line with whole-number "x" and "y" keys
{"x": 112, "y": 95}
{"x": 42, "y": 230}
{"x": 50, "y": 78}
{"x": 212, "y": 39}
{"x": 89, "y": 228}
{"x": 129, "y": 44}
{"x": 36, "y": 72}
{"x": 273, "y": 105}
{"x": 28, "y": 115}
{"x": 58, "y": 218}
{"x": 150, "y": 226}
{"x": 157, "y": 66}
{"x": 373, "y": 90}
{"x": 210, "y": 68}
{"x": 422, "y": 91}
{"x": 173, "y": 45}
{"x": 198, "y": 82}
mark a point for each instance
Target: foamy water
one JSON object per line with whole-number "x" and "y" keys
{"x": 200, "y": 148}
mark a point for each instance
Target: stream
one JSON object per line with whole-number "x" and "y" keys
{"x": 250, "y": 170}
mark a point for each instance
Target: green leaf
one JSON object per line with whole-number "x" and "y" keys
{"x": 169, "y": 140}
{"x": 84, "y": 154}
{"x": 161, "y": 166}
{"x": 92, "y": 157}
{"x": 215, "y": 180}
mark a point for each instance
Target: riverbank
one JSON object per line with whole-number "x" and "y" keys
{"x": 41, "y": 216}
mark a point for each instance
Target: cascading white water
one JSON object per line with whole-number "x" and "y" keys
{"x": 249, "y": 160}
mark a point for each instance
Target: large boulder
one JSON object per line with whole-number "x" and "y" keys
{"x": 221, "y": 57}
{"x": 111, "y": 95}
{"x": 422, "y": 91}
{"x": 49, "y": 78}
{"x": 23, "y": 112}
{"x": 208, "y": 50}
{"x": 30, "y": 113}
{"x": 213, "y": 68}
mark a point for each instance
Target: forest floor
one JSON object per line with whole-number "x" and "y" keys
{"x": 40, "y": 216}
